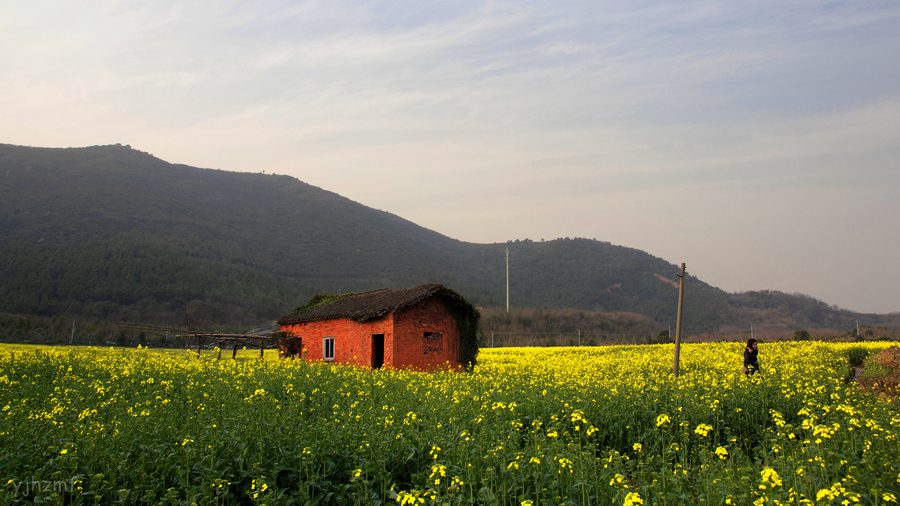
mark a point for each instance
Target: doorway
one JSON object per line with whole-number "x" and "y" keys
{"x": 377, "y": 351}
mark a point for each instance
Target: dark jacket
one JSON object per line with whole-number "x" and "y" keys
{"x": 750, "y": 360}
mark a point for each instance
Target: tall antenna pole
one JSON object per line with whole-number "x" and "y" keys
{"x": 678, "y": 322}
{"x": 507, "y": 280}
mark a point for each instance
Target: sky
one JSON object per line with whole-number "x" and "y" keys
{"x": 756, "y": 142}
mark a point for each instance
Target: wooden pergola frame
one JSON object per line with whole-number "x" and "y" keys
{"x": 262, "y": 340}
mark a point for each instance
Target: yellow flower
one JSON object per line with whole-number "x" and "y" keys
{"x": 722, "y": 453}
{"x": 769, "y": 475}
{"x": 662, "y": 420}
{"x": 633, "y": 498}
{"x": 823, "y": 493}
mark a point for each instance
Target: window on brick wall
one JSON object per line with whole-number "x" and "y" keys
{"x": 434, "y": 341}
{"x": 328, "y": 348}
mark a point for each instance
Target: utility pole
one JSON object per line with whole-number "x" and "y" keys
{"x": 507, "y": 280}
{"x": 678, "y": 321}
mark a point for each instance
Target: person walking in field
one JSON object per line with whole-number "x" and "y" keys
{"x": 751, "y": 363}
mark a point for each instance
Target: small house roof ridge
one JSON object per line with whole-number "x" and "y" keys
{"x": 369, "y": 292}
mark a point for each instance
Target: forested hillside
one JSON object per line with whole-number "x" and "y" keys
{"x": 110, "y": 232}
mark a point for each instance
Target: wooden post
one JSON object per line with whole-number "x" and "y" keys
{"x": 234, "y": 351}
{"x": 260, "y": 347}
{"x": 219, "y": 355}
{"x": 199, "y": 344}
{"x": 678, "y": 321}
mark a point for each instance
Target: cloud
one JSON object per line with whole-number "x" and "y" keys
{"x": 620, "y": 121}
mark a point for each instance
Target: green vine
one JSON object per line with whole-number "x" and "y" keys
{"x": 466, "y": 317}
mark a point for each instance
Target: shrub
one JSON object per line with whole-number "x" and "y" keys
{"x": 857, "y": 356}
{"x": 801, "y": 335}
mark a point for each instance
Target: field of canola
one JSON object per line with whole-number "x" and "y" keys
{"x": 530, "y": 426}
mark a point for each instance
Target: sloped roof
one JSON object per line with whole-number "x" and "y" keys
{"x": 365, "y": 306}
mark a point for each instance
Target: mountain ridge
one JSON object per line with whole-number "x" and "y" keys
{"x": 116, "y": 228}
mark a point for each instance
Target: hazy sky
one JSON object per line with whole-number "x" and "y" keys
{"x": 758, "y": 142}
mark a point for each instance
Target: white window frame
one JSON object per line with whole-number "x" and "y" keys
{"x": 325, "y": 348}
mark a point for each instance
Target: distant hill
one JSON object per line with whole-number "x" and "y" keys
{"x": 114, "y": 233}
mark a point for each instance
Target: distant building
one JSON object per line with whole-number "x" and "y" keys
{"x": 428, "y": 327}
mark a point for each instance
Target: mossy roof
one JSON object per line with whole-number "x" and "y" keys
{"x": 366, "y": 306}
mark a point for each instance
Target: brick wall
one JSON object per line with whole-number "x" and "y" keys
{"x": 411, "y": 349}
{"x": 352, "y": 340}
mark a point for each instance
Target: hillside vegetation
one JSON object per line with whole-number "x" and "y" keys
{"x": 110, "y": 232}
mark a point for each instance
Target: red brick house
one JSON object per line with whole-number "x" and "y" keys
{"x": 425, "y": 328}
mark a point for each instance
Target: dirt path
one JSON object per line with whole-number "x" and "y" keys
{"x": 887, "y": 386}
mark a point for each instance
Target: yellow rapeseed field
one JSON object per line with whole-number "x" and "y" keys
{"x": 528, "y": 426}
